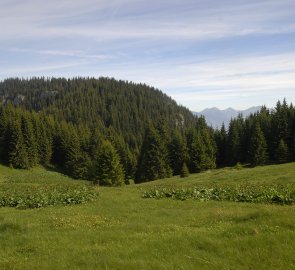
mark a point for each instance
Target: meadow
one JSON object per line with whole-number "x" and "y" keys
{"x": 119, "y": 229}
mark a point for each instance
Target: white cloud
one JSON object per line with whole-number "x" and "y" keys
{"x": 70, "y": 53}
{"x": 32, "y": 19}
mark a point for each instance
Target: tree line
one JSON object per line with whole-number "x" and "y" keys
{"x": 265, "y": 137}
{"x": 112, "y": 131}
{"x": 30, "y": 138}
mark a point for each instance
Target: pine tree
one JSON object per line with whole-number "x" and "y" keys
{"x": 184, "y": 171}
{"x": 45, "y": 147}
{"x": 177, "y": 153}
{"x": 17, "y": 152}
{"x": 108, "y": 169}
{"x": 29, "y": 140}
{"x": 202, "y": 151}
{"x": 257, "y": 147}
{"x": 221, "y": 140}
{"x": 282, "y": 152}
{"x": 3, "y": 127}
{"x": 152, "y": 163}
{"x": 233, "y": 152}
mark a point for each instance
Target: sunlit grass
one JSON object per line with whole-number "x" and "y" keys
{"x": 120, "y": 230}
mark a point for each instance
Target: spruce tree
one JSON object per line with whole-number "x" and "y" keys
{"x": 152, "y": 162}
{"x": 221, "y": 140}
{"x": 233, "y": 152}
{"x": 257, "y": 147}
{"x": 202, "y": 151}
{"x": 184, "y": 171}
{"x": 3, "y": 130}
{"x": 45, "y": 148}
{"x": 29, "y": 140}
{"x": 108, "y": 169}
{"x": 282, "y": 152}
{"x": 177, "y": 153}
{"x": 17, "y": 151}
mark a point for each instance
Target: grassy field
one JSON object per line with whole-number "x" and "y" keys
{"x": 121, "y": 230}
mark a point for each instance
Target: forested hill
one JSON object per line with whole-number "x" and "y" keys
{"x": 100, "y": 129}
{"x": 102, "y": 103}
{"x": 111, "y": 131}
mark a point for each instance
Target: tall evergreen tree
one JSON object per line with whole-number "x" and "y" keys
{"x": 177, "y": 153}
{"x": 108, "y": 169}
{"x": 257, "y": 148}
{"x": 233, "y": 152}
{"x": 152, "y": 160}
{"x": 17, "y": 152}
{"x": 184, "y": 172}
{"x": 221, "y": 143}
{"x": 282, "y": 152}
{"x": 45, "y": 145}
{"x": 29, "y": 140}
{"x": 202, "y": 151}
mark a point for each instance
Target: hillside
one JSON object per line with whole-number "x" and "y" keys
{"x": 66, "y": 122}
{"x": 112, "y": 131}
{"x": 102, "y": 104}
{"x": 265, "y": 175}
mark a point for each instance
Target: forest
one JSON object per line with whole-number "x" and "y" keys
{"x": 111, "y": 131}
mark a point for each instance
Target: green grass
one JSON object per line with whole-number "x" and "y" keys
{"x": 38, "y": 188}
{"x": 120, "y": 230}
{"x": 266, "y": 175}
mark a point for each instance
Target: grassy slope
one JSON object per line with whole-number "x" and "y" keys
{"x": 267, "y": 175}
{"x": 123, "y": 231}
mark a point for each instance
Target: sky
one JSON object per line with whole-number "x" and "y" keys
{"x": 202, "y": 53}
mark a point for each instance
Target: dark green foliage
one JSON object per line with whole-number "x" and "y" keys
{"x": 152, "y": 162}
{"x": 177, "y": 153}
{"x": 221, "y": 144}
{"x": 257, "y": 147}
{"x": 99, "y": 103}
{"x": 43, "y": 134}
{"x": 234, "y": 141}
{"x": 282, "y": 152}
{"x": 202, "y": 151}
{"x": 108, "y": 169}
{"x": 30, "y": 141}
{"x": 273, "y": 143}
{"x": 17, "y": 150}
{"x": 184, "y": 171}
{"x": 63, "y": 123}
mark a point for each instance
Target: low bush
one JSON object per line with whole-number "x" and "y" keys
{"x": 36, "y": 196}
{"x": 250, "y": 193}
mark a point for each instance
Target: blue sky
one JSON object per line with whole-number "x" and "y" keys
{"x": 202, "y": 53}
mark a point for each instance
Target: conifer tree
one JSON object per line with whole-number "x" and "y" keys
{"x": 3, "y": 127}
{"x": 233, "y": 152}
{"x": 45, "y": 147}
{"x": 29, "y": 140}
{"x": 184, "y": 171}
{"x": 202, "y": 151}
{"x": 257, "y": 147}
{"x": 152, "y": 163}
{"x": 108, "y": 169}
{"x": 17, "y": 152}
{"x": 282, "y": 152}
{"x": 164, "y": 135}
{"x": 221, "y": 140}
{"x": 177, "y": 153}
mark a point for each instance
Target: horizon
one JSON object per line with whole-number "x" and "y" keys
{"x": 201, "y": 53}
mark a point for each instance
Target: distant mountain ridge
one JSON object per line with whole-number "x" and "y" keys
{"x": 215, "y": 117}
